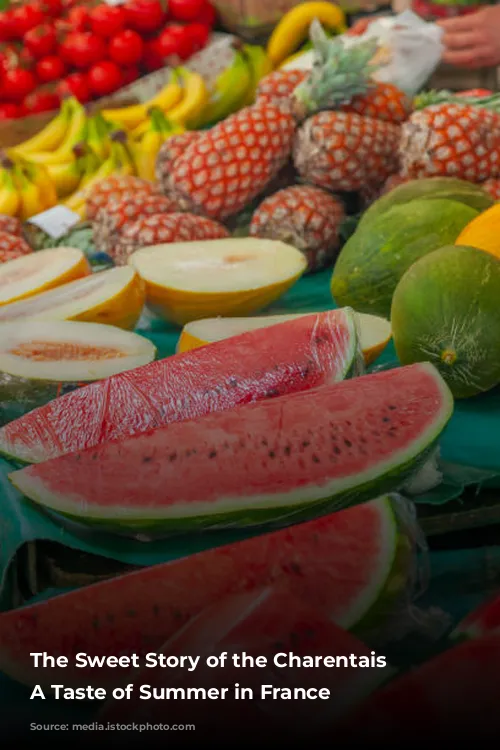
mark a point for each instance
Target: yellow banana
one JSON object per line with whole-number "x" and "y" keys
{"x": 293, "y": 28}
{"x": 76, "y": 133}
{"x": 29, "y": 196}
{"x": 97, "y": 136}
{"x": 145, "y": 148}
{"x": 189, "y": 110}
{"x": 9, "y": 198}
{"x": 260, "y": 66}
{"x": 131, "y": 117}
{"x": 51, "y": 136}
{"x": 39, "y": 175}
{"x": 67, "y": 176}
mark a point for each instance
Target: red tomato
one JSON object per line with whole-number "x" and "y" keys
{"x": 168, "y": 44}
{"x": 126, "y": 48}
{"x": 152, "y": 58}
{"x": 185, "y": 10}
{"x": 41, "y": 40}
{"x": 9, "y": 111}
{"x": 17, "y": 83}
{"x": 50, "y": 68}
{"x": 207, "y": 15}
{"x": 106, "y": 20}
{"x": 6, "y": 26}
{"x": 185, "y": 46}
{"x": 198, "y": 33}
{"x": 144, "y": 15}
{"x": 52, "y": 8}
{"x": 78, "y": 18}
{"x": 104, "y": 78}
{"x": 26, "y": 17}
{"x": 74, "y": 85}
{"x": 82, "y": 49}
{"x": 26, "y": 59}
{"x": 41, "y": 101}
{"x": 129, "y": 75}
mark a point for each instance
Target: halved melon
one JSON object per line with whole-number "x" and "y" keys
{"x": 188, "y": 281}
{"x": 34, "y": 273}
{"x": 115, "y": 297}
{"x": 374, "y": 332}
{"x": 40, "y": 360}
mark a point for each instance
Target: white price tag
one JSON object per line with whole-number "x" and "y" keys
{"x": 115, "y": 2}
{"x": 56, "y": 221}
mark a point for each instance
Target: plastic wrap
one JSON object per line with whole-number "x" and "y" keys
{"x": 361, "y": 568}
{"x": 291, "y": 357}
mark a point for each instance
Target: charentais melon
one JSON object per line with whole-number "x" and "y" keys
{"x": 445, "y": 310}
{"x": 274, "y": 461}
{"x": 347, "y": 565}
{"x": 294, "y": 356}
{"x": 40, "y": 360}
{"x": 430, "y": 188}
{"x": 376, "y": 256}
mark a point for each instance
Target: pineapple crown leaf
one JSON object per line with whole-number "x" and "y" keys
{"x": 339, "y": 73}
{"x": 430, "y": 98}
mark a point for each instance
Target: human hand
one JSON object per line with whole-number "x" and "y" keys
{"x": 473, "y": 40}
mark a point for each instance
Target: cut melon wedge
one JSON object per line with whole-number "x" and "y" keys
{"x": 115, "y": 297}
{"x": 194, "y": 280}
{"x": 37, "y": 272}
{"x": 41, "y": 360}
{"x": 374, "y": 332}
{"x": 68, "y": 351}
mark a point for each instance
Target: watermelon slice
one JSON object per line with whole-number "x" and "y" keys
{"x": 455, "y": 695}
{"x": 283, "y": 459}
{"x": 293, "y": 356}
{"x": 340, "y": 564}
{"x": 262, "y": 623}
{"x": 485, "y": 620}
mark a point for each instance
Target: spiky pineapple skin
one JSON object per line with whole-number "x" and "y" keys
{"x": 233, "y": 162}
{"x": 343, "y": 151}
{"x": 304, "y": 216}
{"x": 12, "y": 247}
{"x": 112, "y": 218}
{"x": 382, "y": 102}
{"x": 119, "y": 186}
{"x": 163, "y": 229}
{"x": 451, "y": 140}
{"x": 11, "y": 225}
{"x": 169, "y": 152}
{"x": 279, "y": 84}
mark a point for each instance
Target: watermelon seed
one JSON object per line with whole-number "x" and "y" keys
{"x": 392, "y": 408}
{"x": 172, "y": 457}
{"x": 347, "y": 443}
{"x": 385, "y": 419}
{"x": 212, "y": 454}
{"x": 272, "y": 454}
{"x": 287, "y": 450}
{"x": 272, "y": 392}
{"x": 336, "y": 450}
{"x": 95, "y": 623}
{"x": 156, "y": 610}
{"x": 264, "y": 442}
{"x": 147, "y": 459}
{"x": 315, "y": 459}
{"x": 305, "y": 443}
{"x": 95, "y": 456}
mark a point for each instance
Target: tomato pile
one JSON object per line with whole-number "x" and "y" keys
{"x": 52, "y": 48}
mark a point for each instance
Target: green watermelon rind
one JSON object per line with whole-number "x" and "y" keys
{"x": 246, "y": 517}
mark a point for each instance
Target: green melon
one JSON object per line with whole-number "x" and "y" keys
{"x": 446, "y": 311}
{"x": 430, "y": 188}
{"x": 379, "y": 252}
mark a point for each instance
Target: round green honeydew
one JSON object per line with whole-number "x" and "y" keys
{"x": 446, "y": 310}
{"x": 430, "y": 188}
{"x": 376, "y": 256}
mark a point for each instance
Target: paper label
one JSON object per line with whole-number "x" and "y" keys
{"x": 56, "y": 221}
{"x": 115, "y": 2}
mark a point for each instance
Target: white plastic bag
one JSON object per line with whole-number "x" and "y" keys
{"x": 410, "y": 50}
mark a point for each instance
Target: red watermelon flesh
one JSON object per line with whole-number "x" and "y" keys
{"x": 455, "y": 695}
{"x": 338, "y": 564}
{"x": 271, "y": 460}
{"x": 293, "y": 356}
{"x": 263, "y": 623}
{"x": 484, "y": 620}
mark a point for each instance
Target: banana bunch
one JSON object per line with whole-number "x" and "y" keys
{"x": 118, "y": 162}
{"x": 25, "y": 188}
{"x": 146, "y": 141}
{"x": 237, "y": 70}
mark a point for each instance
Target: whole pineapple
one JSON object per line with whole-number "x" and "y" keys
{"x": 492, "y": 186}
{"x": 280, "y": 84}
{"x": 232, "y": 163}
{"x": 454, "y": 139}
{"x": 162, "y": 229}
{"x": 11, "y": 225}
{"x": 119, "y": 212}
{"x": 303, "y": 216}
{"x": 119, "y": 186}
